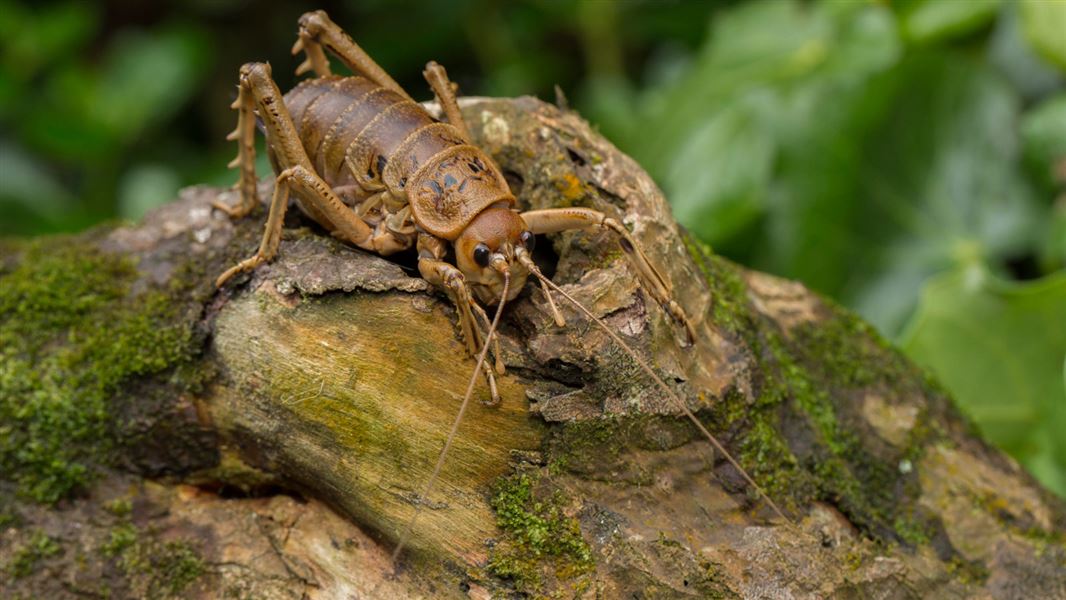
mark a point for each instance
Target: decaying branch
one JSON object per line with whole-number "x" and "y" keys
{"x": 335, "y": 375}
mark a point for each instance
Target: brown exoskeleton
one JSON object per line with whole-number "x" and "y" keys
{"x": 375, "y": 169}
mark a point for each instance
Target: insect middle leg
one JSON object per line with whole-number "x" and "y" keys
{"x": 298, "y": 176}
{"x": 445, "y": 90}
{"x": 553, "y": 220}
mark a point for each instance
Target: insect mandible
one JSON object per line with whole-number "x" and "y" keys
{"x": 377, "y": 171}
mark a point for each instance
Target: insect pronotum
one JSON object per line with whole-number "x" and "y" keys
{"x": 369, "y": 164}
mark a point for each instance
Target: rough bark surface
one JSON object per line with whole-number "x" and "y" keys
{"x": 334, "y": 375}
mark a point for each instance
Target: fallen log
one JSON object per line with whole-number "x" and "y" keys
{"x": 286, "y": 445}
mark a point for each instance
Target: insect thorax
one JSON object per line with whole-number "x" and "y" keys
{"x": 450, "y": 189}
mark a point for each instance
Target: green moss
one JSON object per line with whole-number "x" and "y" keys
{"x": 911, "y": 531}
{"x": 967, "y": 572}
{"x": 24, "y": 561}
{"x": 596, "y": 448}
{"x": 730, "y": 309}
{"x": 154, "y": 569}
{"x": 72, "y": 332}
{"x": 122, "y": 538}
{"x": 811, "y": 378}
{"x": 851, "y": 352}
{"x": 120, "y": 507}
{"x": 539, "y": 536}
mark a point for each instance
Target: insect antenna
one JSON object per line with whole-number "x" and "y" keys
{"x": 428, "y": 487}
{"x": 669, "y": 392}
{"x": 558, "y": 316}
{"x": 500, "y": 367}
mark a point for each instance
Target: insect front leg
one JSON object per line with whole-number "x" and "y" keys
{"x": 553, "y": 220}
{"x": 447, "y": 277}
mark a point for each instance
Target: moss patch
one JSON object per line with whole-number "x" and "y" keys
{"x": 40, "y": 546}
{"x": 801, "y": 437}
{"x": 540, "y": 539}
{"x": 71, "y": 334}
{"x": 154, "y": 569}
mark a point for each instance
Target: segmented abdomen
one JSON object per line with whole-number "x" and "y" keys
{"x": 352, "y": 129}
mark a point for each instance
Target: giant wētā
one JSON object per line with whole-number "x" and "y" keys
{"x": 378, "y": 171}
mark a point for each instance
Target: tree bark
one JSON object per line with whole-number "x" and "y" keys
{"x": 335, "y": 376}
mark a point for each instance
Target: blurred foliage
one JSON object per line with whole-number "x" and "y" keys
{"x": 1001, "y": 345}
{"x": 907, "y": 157}
{"x": 884, "y": 154}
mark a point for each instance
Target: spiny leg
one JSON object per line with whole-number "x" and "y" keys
{"x": 244, "y": 134}
{"x": 317, "y": 31}
{"x": 315, "y": 58}
{"x": 298, "y": 175}
{"x": 437, "y": 78}
{"x": 268, "y": 246}
{"x": 553, "y": 220}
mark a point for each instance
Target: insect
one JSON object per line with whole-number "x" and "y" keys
{"x": 376, "y": 170}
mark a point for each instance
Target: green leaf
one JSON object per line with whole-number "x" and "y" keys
{"x": 1044, "y": 136}
{"x": 1044, "y": 23}
{"x": 926, "y": 21}
{"x": 894, "y": 182}
{"x": 720, "y": 171}
{"x": 710, "y": 137}
{"x": 1055, "y": 249}
{"x": 144, "y": 187}
{"x": 146, "y": 78}
{"x": 1014, "y": 57}
{"x": 999, "y": 347}
{"x": 44, "y": 35}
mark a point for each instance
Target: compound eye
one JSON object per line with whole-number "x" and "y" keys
{"x": 529, "y": 240}
{"x": 482, "y": 255}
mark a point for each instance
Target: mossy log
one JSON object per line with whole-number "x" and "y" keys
{"x": 286, "y": 447}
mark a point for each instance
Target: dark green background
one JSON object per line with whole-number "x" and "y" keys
{"x": 907, "y": 158}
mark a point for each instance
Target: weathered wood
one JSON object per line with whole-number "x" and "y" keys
{"x": 338, "y": 375}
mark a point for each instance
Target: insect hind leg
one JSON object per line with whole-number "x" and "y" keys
{"x": 259, "y": 92}
{"x": 318, "y": 33}
{"x": 244, "y": 135}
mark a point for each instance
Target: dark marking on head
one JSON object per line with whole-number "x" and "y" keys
{"x": 382, "y": 161}
{"x": 449, "y": 181}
